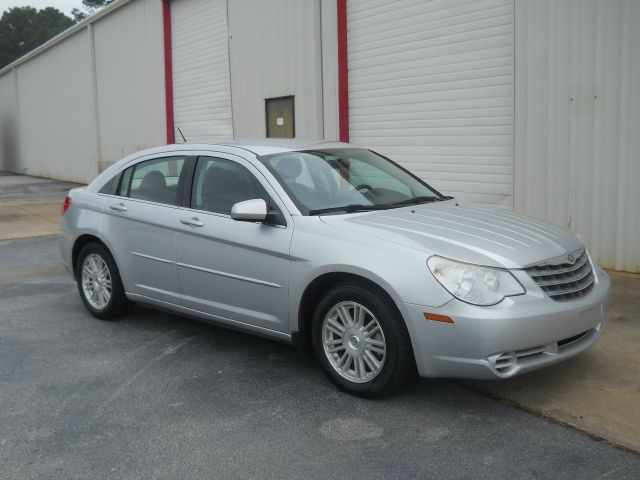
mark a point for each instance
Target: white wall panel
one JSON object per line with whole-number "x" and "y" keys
{"x": 201, "y": 85}
{"x": 577, "y": 136}
{"x": 329, "y": 33}
{"x": 130, "y": 79}
{"x": 431, "y": 85}
{"x": 57, "y": 116}
{"x": 275, "y": 49}
{"x": 9, "y": 147}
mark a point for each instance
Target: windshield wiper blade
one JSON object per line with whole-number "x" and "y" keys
{"x": 363, "y": 208}
{"x": 346, "y": 208}
{"x": 385, "y": 206}
{"x": 412, "y": 201}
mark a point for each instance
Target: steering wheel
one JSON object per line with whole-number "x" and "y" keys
{"x": 364, "y": 186}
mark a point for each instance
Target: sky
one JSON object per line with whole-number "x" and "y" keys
{"x": 64, "y": 6}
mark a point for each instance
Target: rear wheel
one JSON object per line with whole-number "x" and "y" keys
{"x": 361, "y": 341}
{"x": 99, "y": 283}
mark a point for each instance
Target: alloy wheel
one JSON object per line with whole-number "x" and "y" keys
{"x": 96, "y": 281}
{"x": 354, "y": 342}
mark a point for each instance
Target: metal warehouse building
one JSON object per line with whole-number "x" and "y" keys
{"x": 529, "y": 104}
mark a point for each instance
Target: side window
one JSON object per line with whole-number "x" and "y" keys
{"x": 125, "y": 182}
{"x": 153, "y": 180}
{"x": 110, "y": 187}
{"x": 218, "y": 184}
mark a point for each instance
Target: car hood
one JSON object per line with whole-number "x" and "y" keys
{"x": 468, "y": 233}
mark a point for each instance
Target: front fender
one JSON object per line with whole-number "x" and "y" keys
{"x": 318, "y": 249}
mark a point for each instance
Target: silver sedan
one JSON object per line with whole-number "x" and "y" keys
{"x": 336, "y": 248}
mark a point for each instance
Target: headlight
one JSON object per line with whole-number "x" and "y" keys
{"x": 472, "y": 283}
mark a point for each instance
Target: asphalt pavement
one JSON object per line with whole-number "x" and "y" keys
{"x": 159, "y": 396}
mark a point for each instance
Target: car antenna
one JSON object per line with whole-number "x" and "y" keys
{"x": 182, "y": 135}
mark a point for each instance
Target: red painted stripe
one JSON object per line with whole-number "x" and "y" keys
{"x": 343, "y": 77}
{"x": 168, "y": 70}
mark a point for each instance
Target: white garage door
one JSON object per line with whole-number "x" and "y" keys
{"x": 201, "y": 87}
{"x": 431, "y": 86}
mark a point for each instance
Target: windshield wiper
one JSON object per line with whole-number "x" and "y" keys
{"x": 363, "y": 208}
{"x": 412, "y": 201}
{"x": 347, "y": 208}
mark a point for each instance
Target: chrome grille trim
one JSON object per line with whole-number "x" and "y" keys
{"x": 578, "y": 274}
{"x": 543, "y": 270}
{"x": 564, "y": 281}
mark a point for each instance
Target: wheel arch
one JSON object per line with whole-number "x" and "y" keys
{"x": 316, "y": 289}
{"x": 81, "y": 242}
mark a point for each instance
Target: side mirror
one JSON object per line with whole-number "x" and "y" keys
{"x": 254, "y": 210}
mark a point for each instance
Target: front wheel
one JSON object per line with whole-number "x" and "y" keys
{"x": 361, "y": 341}
{"x": 99, "y": 283}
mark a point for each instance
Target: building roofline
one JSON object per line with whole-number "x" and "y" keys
{"x": 64, "y": 35}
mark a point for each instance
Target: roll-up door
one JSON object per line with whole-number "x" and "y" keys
{"x": 431, "y": 86}
{"x": 200, "y": 53}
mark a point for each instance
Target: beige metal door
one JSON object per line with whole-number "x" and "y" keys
{"x": 280, "y": 117}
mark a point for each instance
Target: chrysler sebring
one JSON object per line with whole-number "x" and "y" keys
{"x": 337, "y": 248}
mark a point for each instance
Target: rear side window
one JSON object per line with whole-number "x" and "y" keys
{"x": 123, "y": 188}
{"x": 154, "y": 180}
{"x": 110, "y": 187}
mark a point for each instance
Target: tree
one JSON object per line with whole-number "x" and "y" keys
{"x": 24, "y": 28}
{"x": 90, "y": 6}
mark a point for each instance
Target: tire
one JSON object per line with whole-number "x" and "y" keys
{"x": 95, "y": 256}
{"x": 394, "y": 367}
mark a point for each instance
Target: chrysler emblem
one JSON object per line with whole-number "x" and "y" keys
{"x": 571, "y": 258}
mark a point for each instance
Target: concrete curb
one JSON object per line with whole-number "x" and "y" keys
{"x": 552, "y": 418}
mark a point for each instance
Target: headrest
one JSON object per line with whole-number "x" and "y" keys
{"x": 289, "y": 168}
{"x": 154, "y": 180}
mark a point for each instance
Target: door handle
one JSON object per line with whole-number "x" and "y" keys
{"x": 120, "y": 207}
{"x": 192, "y": 222}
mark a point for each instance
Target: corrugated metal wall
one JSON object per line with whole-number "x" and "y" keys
{"x": 130, "y": 80}
{"x": 431, "y": 85}
{"x": 89, "y": 99}
{"x": 329, "y": 33}
{"x": 9, "y": 142}
{"x": 577, "y": 118}
{"x": 57, "y": 117}
{"x": 275, "y": 50}
{"x": 201, "y": 84}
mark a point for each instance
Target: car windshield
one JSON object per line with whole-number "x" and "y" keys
{"x": 346, "y": 180}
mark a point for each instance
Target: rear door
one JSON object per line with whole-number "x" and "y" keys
{"x": 235, "y": 271}
{"x": 139, "y": 226}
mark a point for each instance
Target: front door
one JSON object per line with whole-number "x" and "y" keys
{"x": 236, "y": 271}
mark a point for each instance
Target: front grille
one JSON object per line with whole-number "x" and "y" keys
{"x": 565, "y": 281}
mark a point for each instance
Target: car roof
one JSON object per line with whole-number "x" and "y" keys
{"x": 264, "y": 146}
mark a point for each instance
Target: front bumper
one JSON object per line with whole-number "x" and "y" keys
{"x": 518, "y": 335}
